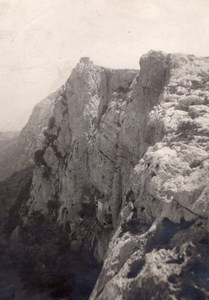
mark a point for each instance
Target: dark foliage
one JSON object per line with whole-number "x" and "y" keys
{"x": 122, "y": 89}
{"x": 14, "y": 192}
{"x": 49, "y": 265}
{"x": 46, "y": 246}
{"x": 51, "y": 122}
{"x": 50, "y": 138}
{"x": 47, "y": 172}
{"x": 135, "y": 268}
{"x": 18, "y": 208}
{"x": 56, "y": 151}
{"x": 53, "y": 207}
{"x": 88, "y": 210}
{"x": 44, "y": 260}
{"x": 187, "y": 129}
{"x": 39, "y": 157}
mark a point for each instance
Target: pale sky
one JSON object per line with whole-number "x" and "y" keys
{"x": 42, "y": 40}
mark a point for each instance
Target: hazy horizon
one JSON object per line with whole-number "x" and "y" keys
{"x": 40, "y": 42}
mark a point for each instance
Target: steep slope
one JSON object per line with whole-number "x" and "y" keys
{"x": 79, "y": 169}
{"x": 6, "y": 138}
{"x": 10, "y": 189}
{"x": 18, "y": 152}
{"x": 125, "y": 163}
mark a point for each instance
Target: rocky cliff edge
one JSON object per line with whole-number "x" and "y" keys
{"x": 124, "y": 166}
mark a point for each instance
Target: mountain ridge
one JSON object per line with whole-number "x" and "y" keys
{"x": 123, "y": 168}
{"x": 19, "y": 153}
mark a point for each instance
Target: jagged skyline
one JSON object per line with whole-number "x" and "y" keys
{"x": 40, "y": 42}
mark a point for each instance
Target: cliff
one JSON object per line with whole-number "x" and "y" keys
{"x": 124, "y": 168}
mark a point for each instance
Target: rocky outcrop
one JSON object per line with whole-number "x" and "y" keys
{"x": 159, "y": 251}
{"x": 79, "y": 168}
{"x": 17, "y": 151}
{"x": 124, "y": 167}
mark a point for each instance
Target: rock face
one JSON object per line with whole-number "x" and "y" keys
{"x": 17, "y": 150}
{"x": 124, "y": 166}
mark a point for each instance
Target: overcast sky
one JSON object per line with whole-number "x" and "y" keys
{"x": 41, "y": 40}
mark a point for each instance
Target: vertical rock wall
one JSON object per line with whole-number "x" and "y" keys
{"x": 159, "y": 251}
{"x": 125, "y": 164}
{"x": 96, "y": 137}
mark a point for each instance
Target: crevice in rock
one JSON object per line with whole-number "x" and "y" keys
{"x": 106, "y": 156}
{"x": 189, "y": 210}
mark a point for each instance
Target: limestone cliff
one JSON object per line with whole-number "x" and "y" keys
{"x": 124, "y": 167}
{"x": 160, "y": 250}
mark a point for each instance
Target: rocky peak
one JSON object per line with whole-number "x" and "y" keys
{"x": 100, "y": 120}
{"x": 86, "y": 60}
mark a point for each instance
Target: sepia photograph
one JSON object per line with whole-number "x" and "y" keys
{"x": 104, "y": 150}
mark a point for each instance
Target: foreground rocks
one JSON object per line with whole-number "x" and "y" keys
{"x": 161, "y": 252}
{"x": 124, "y": 169}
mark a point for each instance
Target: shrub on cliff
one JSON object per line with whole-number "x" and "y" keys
{"x": 187, "y": 129}
{"x": 39, "y": 158}
{"x": 47, "y": 172}
{"x": 51, "y": 122}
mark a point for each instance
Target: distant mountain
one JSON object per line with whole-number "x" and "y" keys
{"x": 7, "y": 137}
{"x": 17, "y": 149}
{"x": 8, "y": 145}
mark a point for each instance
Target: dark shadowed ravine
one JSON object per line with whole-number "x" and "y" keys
{"x": 14, "y": 284}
